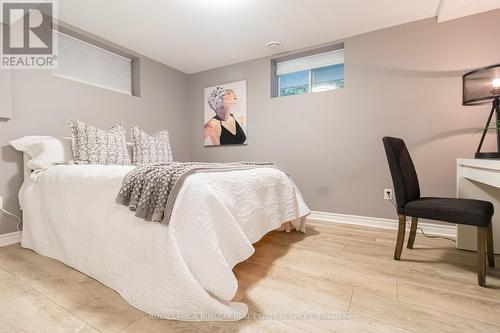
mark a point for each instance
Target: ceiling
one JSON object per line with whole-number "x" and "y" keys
{"x": 196, "y": 35}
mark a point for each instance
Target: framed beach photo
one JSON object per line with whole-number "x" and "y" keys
{"x": 225, "y": 109}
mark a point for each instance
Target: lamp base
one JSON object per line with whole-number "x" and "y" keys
{"x": 493, "y": 155}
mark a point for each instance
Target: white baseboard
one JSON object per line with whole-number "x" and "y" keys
{"x": 447, "y": 230}
{"x": 10, "y": 238}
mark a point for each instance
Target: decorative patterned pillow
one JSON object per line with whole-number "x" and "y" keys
{"x": 92, "y": 145}
{"x": 150, "y": 149}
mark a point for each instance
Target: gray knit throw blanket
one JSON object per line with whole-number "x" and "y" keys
{"x": 151, "y": 190}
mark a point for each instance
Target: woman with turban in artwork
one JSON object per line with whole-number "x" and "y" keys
{"x": 224, "y": 128}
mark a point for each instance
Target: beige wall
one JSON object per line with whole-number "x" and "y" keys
{"x": 403, "y": 81}
{"x": 43, "y": 104}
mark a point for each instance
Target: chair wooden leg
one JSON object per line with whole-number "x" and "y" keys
{"x": 481, "y": 257}
{"x": 489, "y": 246}
{"x": 401, "y": 237}
{"x": 413, "y": 232}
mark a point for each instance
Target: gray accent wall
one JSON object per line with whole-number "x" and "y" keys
{"x": 43, "y": 104}
{"x": 403, "y": 81}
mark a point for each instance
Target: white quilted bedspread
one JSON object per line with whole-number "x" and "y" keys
{"x": 181, "y": 271}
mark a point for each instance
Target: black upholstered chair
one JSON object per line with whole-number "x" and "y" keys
{"x": 477, "y": 213}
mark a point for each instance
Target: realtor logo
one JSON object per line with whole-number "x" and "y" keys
{"x": 28, "y": 40}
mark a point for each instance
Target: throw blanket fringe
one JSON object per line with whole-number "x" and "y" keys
{"x": 151, "y": 190}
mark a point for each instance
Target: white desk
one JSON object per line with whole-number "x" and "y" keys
{"x": 478, "y": 179}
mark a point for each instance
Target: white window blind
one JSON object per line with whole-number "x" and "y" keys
{"x": 310, "y": 62}
{"x": 87, "y": 63}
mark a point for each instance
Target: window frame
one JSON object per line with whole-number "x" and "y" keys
{"x": 276, "y": 79}
{"x": 82, "y": 37}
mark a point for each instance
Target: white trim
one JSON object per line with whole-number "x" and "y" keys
{"x": 10, "y": 238}
{"x": 448, "y": 230}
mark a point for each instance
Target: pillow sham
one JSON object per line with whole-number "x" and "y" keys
{"x": 92, "y": 145}
{"x": 148, "y": 149}
{"x": 44, "y": 151}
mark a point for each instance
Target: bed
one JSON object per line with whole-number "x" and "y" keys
{"x": 178, "y": 271}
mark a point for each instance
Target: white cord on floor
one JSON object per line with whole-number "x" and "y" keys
{"x": 429, "y": 236}
{"x": 14, "y": 216}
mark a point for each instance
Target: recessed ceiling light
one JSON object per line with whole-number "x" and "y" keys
{"x": 273, "y": 44}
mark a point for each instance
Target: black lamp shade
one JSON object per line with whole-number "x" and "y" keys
{"x": 481, "y": 86}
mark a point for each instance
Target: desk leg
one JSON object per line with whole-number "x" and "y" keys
{"x": 466, "y": 235}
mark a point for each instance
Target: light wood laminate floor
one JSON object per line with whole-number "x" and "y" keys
{"x": 345, "y": 273}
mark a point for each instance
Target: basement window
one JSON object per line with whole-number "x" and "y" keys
{"x": 313, "y": 72}
{"x": 84, "y": 62}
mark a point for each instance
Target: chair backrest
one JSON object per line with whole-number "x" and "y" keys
{"x": 404, "y": 176}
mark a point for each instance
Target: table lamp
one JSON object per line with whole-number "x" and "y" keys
{"x": 480, "y": 87}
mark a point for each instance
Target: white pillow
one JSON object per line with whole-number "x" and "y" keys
{"x": 44, "y": 151}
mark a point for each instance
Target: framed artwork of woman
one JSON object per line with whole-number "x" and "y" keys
{"x": 225, "y": 107}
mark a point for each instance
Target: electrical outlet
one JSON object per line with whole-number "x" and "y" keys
{"x": 388, "y": 194}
